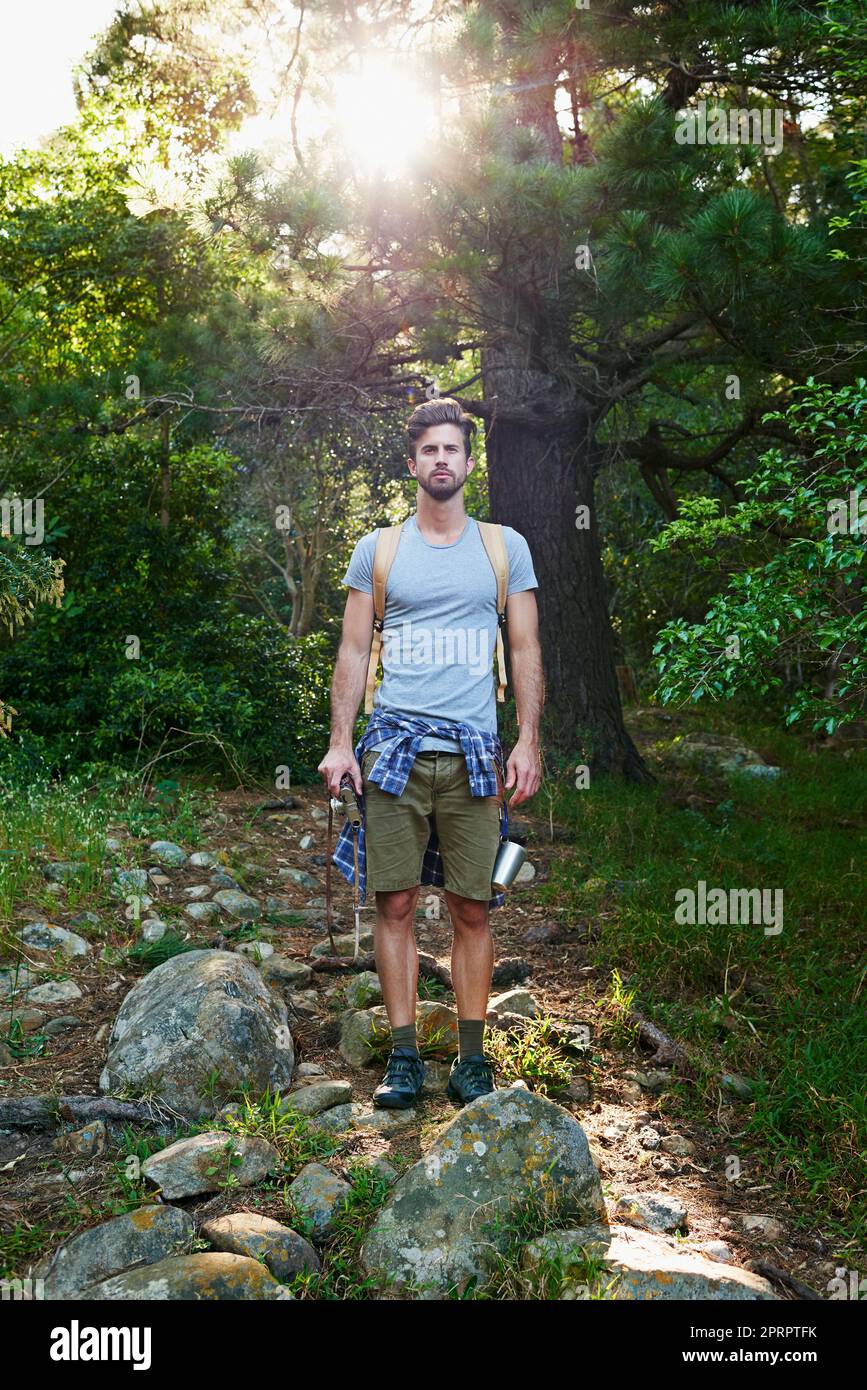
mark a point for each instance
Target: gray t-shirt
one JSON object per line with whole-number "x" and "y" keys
{"x": 440, "y": 633}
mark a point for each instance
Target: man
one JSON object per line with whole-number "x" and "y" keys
{"x": 429, "y": 753}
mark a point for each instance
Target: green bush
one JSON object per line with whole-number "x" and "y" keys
{"x": 150, "y": 648}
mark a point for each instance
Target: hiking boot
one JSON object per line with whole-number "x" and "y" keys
{"x": 471, "y": 1078}
{"x": 404, "y": 1078}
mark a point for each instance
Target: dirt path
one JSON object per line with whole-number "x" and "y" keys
{"x": 562, "y": 978}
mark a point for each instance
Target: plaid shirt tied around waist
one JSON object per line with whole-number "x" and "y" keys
{"x": 391, "y": 771}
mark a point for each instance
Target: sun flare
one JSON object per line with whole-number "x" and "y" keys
{"x": 383, "y": 117}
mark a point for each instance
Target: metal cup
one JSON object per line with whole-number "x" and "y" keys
{"x": 510, "y": 857}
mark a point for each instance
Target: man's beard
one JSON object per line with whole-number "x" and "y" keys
{"x": 441, "y": 489}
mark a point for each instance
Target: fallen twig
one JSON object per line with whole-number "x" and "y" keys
{"x": 44, "y": 1112}
{"x": 769, "y": 1271}
{"x": 668, "y": 1053}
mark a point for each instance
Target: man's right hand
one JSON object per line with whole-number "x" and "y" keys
{"x": 336, "y": 762}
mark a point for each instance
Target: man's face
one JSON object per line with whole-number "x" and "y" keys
{"x": 439, "y": 464}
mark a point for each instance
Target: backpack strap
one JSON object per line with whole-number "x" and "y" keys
{"x": 494, "y": 543}
{"x": 387, "y": 542}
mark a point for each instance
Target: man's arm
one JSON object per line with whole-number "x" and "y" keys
{"x": 347, "y": 689}
{"x": 524, "y": 765}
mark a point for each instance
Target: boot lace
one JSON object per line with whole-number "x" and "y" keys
{"x": 477, "y": 1075}
{"x": 400, "y": 1067}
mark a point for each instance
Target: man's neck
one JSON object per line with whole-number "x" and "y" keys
{"x": 440, "y": 522}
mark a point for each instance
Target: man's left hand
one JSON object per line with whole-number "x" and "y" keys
{"x": 523, "y": 772}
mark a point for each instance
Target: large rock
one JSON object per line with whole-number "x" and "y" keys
{"x": 651, "y": 1211}
{"x": 54, "y": 992}
{"x": 318, "y": 1096}
{"x": 344, "y": 945}
{"x": 167, "y": 852}
{"x": 301, "y": 877}
{"x": 210, "y": 1276}
{"x": 139, "y": 1237}
{"x": 282, "y": 911}
{"x": 641, "y": 1265}
{"x": 321, "y": 1196}
{"x": 45, "y": 939}
{"x": 223, "y": 880}
{"x": 515, "y": 1001}
{"x": 436, "y": 1229}
{"x": 362, "y": 990}
{"x": 63, "y": 872}
{"x": 200, "y": 1013}
{"x": 286, "y": 973}
{"x": 256, "y": 951}
{"x": 202, "y": 1163}
{"x": 381, "y": 1119}
{"x": 338, "y": 1118}
{"x": 202, "y": 912}
{"x": 283, "y": 1250}
{"x": 15, "y": 981}
{"x": 130, "y": 881}
{"x": 153, "y": 929}
{"x": 28, "y": 1020}
{"x": 203, "y": 859}
{"x": 713, "y": 753}
{"x": 360, "y": 1028}
{"x": 238, "y": 904}
{"x": 359, "y": 1116}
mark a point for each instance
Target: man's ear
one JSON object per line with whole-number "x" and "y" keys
{"x": 409, "y": 464}
{"x": 471, "y": 463}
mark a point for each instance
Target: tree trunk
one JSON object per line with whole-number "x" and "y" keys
{"x": 540, "y": 467}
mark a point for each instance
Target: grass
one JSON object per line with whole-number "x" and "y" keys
{"x": 43, "y": 820}
{"x": 786, "y": 1011}
{"x": 534, "y": 1053}
{"x": 70, "y": 820}
{"x": 433, "y": 1043}
{"x": 434, "y": 990}
{"x": 149, "y": 954}
{"x": 564, "y": 1273}
{"x": 268, "y": 1117}
{"x": 341, "y": 1276}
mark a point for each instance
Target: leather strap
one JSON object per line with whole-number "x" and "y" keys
{"x": 387, "y": 543}
{"x": 328, "y": 894}
{"x": 495, "y": 545}
{"x": 501, "y": 797}
{"x": 356, "y": 899}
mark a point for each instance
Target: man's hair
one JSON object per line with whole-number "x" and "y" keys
{"x": 440, "y": 411}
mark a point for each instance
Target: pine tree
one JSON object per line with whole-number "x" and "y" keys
{"x": 594, "y": 260}
{"x": 563, "y": 235}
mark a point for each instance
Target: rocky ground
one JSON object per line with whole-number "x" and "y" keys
{"x": 640, "y": 1199}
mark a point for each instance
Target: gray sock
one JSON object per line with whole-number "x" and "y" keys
{"x": 405, "y": 1037}
{"x": 471, "y": 1037}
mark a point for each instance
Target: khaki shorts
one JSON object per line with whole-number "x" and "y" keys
{"x": 437, "y": 795}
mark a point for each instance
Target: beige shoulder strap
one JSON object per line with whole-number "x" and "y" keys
{"x": 386, "y": 548}
{"x": 494, "y": 543}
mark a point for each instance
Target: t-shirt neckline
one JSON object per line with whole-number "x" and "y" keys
{"x": 450, "y": 545}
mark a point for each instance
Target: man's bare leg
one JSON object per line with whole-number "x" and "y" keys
{"x": 472, "y": 954}
{"x": 397, "y": 954}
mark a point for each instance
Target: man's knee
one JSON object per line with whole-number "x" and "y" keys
{"x": 396, "y": 908}
{"x": 467, "y": 914}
